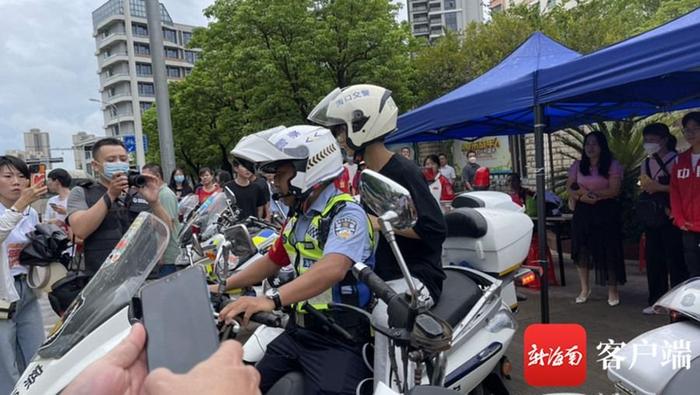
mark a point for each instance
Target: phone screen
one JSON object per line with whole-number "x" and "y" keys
{"x": 39, "y": 175}
{"x": 179, "y": 321}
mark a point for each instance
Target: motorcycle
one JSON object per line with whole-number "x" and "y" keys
{"x": 664, "y": 360}
{"x": 99, "y": 318}
{"x": 472, "y": 305}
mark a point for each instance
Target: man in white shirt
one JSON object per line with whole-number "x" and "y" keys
{"x": 58, "y": 181}
{"x": 447, "y": 170}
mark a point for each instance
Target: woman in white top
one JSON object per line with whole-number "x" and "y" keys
{"x": 22, "y": 333}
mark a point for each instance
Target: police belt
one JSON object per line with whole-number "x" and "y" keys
{"x": 347, "y": 326}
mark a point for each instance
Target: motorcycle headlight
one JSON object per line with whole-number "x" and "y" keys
{"x": 502, "y": 320}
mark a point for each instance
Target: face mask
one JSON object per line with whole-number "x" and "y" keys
{"x": 109, "y": 169}
{"x": 651, "y": 148}
{"x": 472, "y": 159}
{"x": 179, "y": 179}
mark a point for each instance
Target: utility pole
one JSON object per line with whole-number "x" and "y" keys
{"x": 165, "y": 129}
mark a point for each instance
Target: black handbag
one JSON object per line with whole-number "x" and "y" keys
{"x": 47, "y": 243}
{"x": 651, "y": 207}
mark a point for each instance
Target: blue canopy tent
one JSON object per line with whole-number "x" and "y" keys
{"x": 653, "y": 72}
{"x": 499, "y": 102}
{"x": 649, "y": 73}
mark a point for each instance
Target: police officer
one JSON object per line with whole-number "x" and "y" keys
{"x": 97, "y": 211}
{"x": 326, "y": 233}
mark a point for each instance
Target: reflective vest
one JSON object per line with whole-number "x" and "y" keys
{"x": 305, "y": 253}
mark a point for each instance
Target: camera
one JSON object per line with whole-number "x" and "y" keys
{"x": 136, "y": 179}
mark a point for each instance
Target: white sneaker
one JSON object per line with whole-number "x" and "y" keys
{"x": 648, "y": 310}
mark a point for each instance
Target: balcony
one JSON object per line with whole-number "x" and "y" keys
{"x": 112, "y": 38}
{"x": 118, "y": 97}
{"x": 113, "y": 58}
{"x": 106, "y": 81}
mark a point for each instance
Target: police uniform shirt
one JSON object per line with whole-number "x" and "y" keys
{"x": 348, "y": 234}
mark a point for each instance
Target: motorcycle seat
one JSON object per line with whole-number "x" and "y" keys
{"x": 465, "y": 222}
{"x": 459, "y": 294}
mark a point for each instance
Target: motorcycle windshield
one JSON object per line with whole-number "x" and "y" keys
{"x": 112, "y": 287}
{"x": 186, "y": 205}
{"x": 206, "y": 215}
{"x": 683, "y": 298}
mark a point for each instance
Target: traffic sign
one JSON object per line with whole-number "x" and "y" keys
{"x": 130, "y": 143}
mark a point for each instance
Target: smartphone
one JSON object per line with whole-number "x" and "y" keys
{"x": 428, "y": 173}
{"x": 179, "y": 321}
{"x": 38, "y": 175}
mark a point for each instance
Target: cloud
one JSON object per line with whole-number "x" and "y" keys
{"x": 48, "y": 68}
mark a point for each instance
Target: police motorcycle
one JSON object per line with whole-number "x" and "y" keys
{"x": 664, "y": 360}
{"x": 455, "y": 345}
{"x": 100, "y": 317}
{"x": 207, "y": 224}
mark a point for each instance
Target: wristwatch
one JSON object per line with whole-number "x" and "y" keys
{"x": 14, "y": 210}
{"x": 274, "y": 295}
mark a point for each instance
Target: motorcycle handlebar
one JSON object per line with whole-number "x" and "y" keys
{"x": 267, "y": 319}
{"x": 365, "y": 274}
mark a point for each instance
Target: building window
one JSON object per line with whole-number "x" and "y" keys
{"x": 191, "y": 56}
{"x": 145, "y": 106}
{"x": 187, "y": 71}
{"x": 451, "y": 21}
{"x": 138, "y": 8}
{"x": 173, "y": 72}
{"x": 186, "y": 38}
{"x": 142, "y": 49}
{"x": 139, "y": 30}
{"x": 112, "y": 7}
{"x": 144, "y": 70}
{"x": 169, "y": 35}
{"x": 146, "y": 89}
{"x": 450, "y": 4}
{"x": 171, "y": 53}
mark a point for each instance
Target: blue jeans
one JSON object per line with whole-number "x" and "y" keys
{"x": 20, "y": 336}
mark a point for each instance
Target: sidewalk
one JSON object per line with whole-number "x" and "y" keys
{"x": 602, "y": 322}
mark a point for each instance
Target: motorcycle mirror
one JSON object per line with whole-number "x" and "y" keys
{"x": 383, "y": 196}
{"x": 196, "y": 246}
{"x": 242, "y": 244}
{"x": 230, "y": 195}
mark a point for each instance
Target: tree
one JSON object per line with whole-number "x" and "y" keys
{"x": 267, "y": 62}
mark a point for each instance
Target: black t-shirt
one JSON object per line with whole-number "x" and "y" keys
{"x": 248, "y": 198}
{"x": 262, "y": 184}
{"x": 424, "y": 256}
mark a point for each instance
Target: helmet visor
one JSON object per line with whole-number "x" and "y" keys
{"x": 319, "y": 115}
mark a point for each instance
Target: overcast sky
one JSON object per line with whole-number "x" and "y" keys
{"x": 48, "y": 68}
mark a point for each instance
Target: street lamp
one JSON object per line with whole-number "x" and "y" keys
{"x": 114, "y": 108}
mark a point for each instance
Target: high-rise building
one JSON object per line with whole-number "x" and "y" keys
{"x": 500, "y": 5}
{"x": 430, "y": 18}
{"x": 37, "y": 144}
{"x": 123, "y": 55}
{"x": 82, "y": 151}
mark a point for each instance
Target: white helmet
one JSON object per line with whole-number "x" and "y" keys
{"x": 311, "y": 149}
{"x": 367, "y": 111}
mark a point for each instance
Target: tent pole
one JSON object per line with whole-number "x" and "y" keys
{"x": 541, "y": 214}
{"x": 552, "y": 181}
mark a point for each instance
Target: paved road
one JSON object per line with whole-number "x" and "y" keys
{"x": 602, "y": 322}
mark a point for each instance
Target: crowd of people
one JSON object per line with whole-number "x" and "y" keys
{"x": 314, "y": 178}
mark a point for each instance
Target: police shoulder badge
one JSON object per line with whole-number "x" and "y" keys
{"x": 345, "y": 227}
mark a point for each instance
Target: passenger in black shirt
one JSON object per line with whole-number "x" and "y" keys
{"x": 250, "y": 198}
{"x": 360, "y": 117}
{"x": 421, "y": 246}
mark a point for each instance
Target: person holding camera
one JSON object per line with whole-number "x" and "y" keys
{"x": 98, "y": 211}
{"x": 21, "y": 329}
